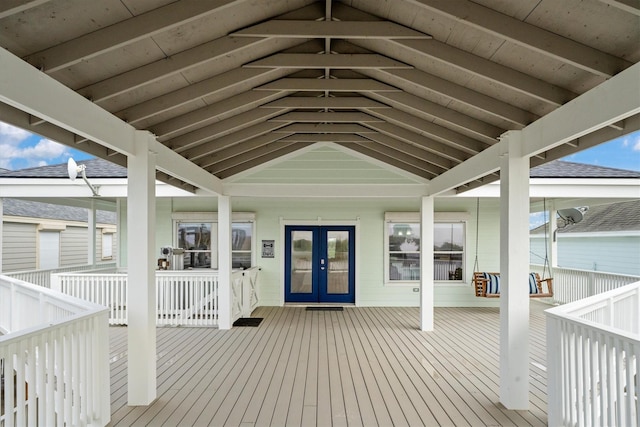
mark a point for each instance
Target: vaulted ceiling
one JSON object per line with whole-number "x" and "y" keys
{"x": 420, "y": 85}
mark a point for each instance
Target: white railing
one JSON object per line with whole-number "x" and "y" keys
{"x": 184, "y": 298}
{"x": 572, "y": 284}
{"x": 54, "y": 358}
{"x": 42, "y": 277}
{"x": 593, "y": 360}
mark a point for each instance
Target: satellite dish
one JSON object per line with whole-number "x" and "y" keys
{"x": 73, "y": 169}
{"x": 571, "y": 215}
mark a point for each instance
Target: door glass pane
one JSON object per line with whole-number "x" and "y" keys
{"x": 301, "y": 257}
{"x": 338, "y": 260}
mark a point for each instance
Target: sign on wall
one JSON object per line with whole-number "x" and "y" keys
{"x": 268, "y": 247}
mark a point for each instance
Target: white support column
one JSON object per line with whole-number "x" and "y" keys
{"x": 1, "y": 231}
{"x": 91, "y": 234}
{"x": 514, "y": 267}
{"x": 426, "y": 263}
{"x": 120, "y": 230}
{"x": 553, "y": 237}
{"x": 224, "y": 263}
{"x": 141, "y": 229}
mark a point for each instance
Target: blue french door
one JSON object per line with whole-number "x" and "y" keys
{"x": 320, "y": 264}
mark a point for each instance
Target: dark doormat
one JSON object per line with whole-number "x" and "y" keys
{"x": 313, "y": 308}
{"x": 248, "y": 321}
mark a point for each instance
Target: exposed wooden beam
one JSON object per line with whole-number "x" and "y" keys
{"x": 331, "y": 29}
{"x": 201, "y": 55}
{"x": 331, "y": 128}
{"x": 11, "y": 7}
{"x": 403, "y": 156}
{"x": 452, "y": 119}
{"x": 440, "y": 164}
{"x": 331, "y": 85}
{"x": 223, "y": 128}
{"x": 431, "y": 130}
{"x": 369, "y": 152}
{"x": 232, "y": 139}
{"x": 331, "y": 103}
{"x": 335, "y": 61}
{"x": 254, "y": 158}
{"x": 235, "y": 150}
{"x": 419, "y": 151}
{"x": 629, "y": 6}
{"x": 436, "y": 147}
{"x": 215, "y": 86}
{"x": 530, "y": 36}
{"x": 334, "y": 137}
{"x": 124, "y": 33}
{"x": 322, "y": 117}
{"x": 405, "y": 78}
{"x": 213, "y": 113}
{"x": 485, "y": 69}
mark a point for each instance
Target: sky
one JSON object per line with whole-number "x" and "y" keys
{"x": 20, "y": 149}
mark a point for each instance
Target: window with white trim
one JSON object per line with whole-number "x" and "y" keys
{"x": 107, "y": 246}
{"x": 402, "y": 247}
{"x": 197, "y": 234}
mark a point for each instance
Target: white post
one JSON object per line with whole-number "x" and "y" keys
{"x": 119, "y": 235}
{"x": 1, "y": 231}
{"x": 553, "y": 238}
{"x": 426, "y": 263}
{"x": 224, "y": 263}
{"x": 91, "y": 234}
{"x": 514, "y": 267}
{"x": 141, "y": 229}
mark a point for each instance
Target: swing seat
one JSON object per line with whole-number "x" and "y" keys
{"x": 488, "y": 285}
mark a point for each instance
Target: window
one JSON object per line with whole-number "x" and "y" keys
{"x": 404, "y": 251}
{"x": 107, "y": 246}
{"x": 197, "y": 234}
{"x": 402, "y": 246}
{"x": 195, "y": 239}
{"x": 448, "y": 250}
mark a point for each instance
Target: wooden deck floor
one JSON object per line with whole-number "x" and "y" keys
{"x": 358, "y": 367}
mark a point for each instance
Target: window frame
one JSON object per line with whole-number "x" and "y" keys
{"x": 414, "y": 218}
{"x": 212, "y": 219}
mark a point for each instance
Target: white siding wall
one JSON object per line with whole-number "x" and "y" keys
{"x": 611, "y": 254}
{"x": 19, "y": 246}
{"x": 73, "y": 246}
{"x": 371, "y": 289}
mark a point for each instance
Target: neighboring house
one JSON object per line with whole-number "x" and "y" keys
{"x": 39, "y": 235}
{"x": 607, "y": 239}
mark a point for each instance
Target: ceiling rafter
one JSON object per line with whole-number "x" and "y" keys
{"x": 486, "y": 104}
{"x": 527, "y": 35}
{"x": 331, "y": 103}
{"x": 327, "y": 128}
{"x": 414, "y": 150}
{"x": 180, "y": 62}
{"x": 224, "y": 127}
{"x": 431, "y": 130}
{"x": 123, "y": 33}
{"x": 629, "y": 6}
{"x": 12, "y": 7}
{"x": 436, "y": 147}
{"x": 231, "y": 106}
{"x": 325, "y": 137}
{"x": 236, "y": 150}
{"x": 385, "y": 158}
{"x": 331, "y": 85}
{"x": 218, "y": 85}
{"x": 247, "y": 157}
{"x": 338, "y": 61}
{"x": 325, "y": 117}
{"x": 331, "y": 29}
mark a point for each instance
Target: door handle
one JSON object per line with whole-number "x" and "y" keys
{"x": 321, "y": 263}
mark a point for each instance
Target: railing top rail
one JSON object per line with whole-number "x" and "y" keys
{"x": 49, "y": 326}
{"x": 100, "y": 265}
{"x": 572, "y": 311}
{"x": 589, "y": 271}
{"x": 69, "y": 302}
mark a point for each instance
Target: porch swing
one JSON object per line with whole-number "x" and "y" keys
{"x": 488, "y": 284}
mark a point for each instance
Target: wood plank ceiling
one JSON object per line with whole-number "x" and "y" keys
{"x": 422, "y": 85}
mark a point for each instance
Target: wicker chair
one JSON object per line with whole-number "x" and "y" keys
{"x": 488, "y": 285}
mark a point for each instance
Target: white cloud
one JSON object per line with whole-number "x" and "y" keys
{"x": 18, "y": 145}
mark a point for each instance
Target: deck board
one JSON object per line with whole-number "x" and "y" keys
{"x": 357, "y": 367}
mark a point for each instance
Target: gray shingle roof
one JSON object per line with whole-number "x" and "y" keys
{"x": 563, "y": 169}
{"x": 623, "y": 216}
{"x": 27, "y": 208}
{"x": 96, "y": 168}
